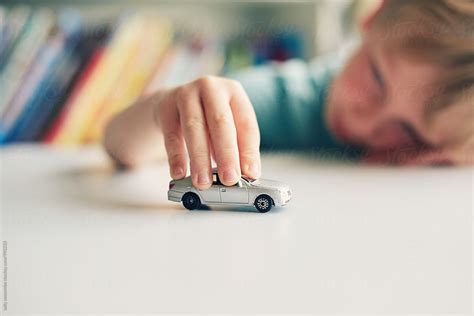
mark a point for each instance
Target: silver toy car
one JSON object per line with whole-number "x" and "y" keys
{"x": 263, "y": 194}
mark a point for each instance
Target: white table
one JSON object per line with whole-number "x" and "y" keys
{"x": 354, "y": 239}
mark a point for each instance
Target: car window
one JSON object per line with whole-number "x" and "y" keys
{"x": 248, "y": 180}
{"x": 215, "y": 179}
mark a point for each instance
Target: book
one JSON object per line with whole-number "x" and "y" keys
{"x": 20, "y": 61}
{"x": 100, "y": 83}
{"x": 63, "y": 89}
{"x": 22, "y": 102}
{"x": 90, "y": 41}
{"x": 56, "y": 126}
{"x": 161, "y": 71}
{"x": 137, "y": 71}
{"x": 59, "y": 67}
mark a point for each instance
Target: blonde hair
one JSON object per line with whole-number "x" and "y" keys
{"x": 442, "y": 32}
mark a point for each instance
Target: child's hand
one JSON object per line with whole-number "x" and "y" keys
{"x": 210, "y": 115}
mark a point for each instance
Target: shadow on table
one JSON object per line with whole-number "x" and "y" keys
{"x": 103, "y": 187}
{"x": 242, "y": 209}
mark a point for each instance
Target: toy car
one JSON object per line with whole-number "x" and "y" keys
{"x": 263, "y": 194}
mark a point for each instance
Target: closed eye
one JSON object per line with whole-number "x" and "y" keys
{"x": 418, "y": 140}
{"x": 377, "y": 75}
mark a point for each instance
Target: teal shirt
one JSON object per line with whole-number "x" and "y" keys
{"x": 290, "y": 101}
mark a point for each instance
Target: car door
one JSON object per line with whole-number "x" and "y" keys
{"x": 237, "y": 193}
{"x": 212, "y": 195}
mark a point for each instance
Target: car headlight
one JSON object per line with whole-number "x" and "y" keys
{"x": 285, "y": 194}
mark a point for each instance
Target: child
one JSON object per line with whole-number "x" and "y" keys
{"x": 406, "y": 95}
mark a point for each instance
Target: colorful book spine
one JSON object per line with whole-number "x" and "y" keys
{"x": 58, "y": 124}
{"x": 51, "y": 95}
{"x": 63, "y": 89}
{"x": 56, "y": 55}
{"x": 82, "y": 54}
{"x": 101, "y": 82}
{"x": 23, "y": 55}
{"x": 137, "y": 71}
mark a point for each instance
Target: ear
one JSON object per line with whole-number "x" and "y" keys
{"x": 367, "y": 22}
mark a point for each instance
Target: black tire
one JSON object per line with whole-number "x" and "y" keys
{"x": 263, "y": 203}
{"x": 191, "y": 201}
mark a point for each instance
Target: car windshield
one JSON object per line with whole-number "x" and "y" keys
{"x": 248, "y": 179}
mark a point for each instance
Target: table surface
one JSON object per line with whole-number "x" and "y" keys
{"x": 354, "y": 239}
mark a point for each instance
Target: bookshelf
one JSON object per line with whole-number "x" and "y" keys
{"x": 231, "y": 17}
{"x": 215, "y": 37}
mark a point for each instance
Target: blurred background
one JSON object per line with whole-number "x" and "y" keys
{"x": 67, "y": 66}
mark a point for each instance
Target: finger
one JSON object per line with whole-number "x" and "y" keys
{"x": 222, "y": 131}
{"x": 194, "y": 129}
{"x": 174, "y": 141}
{"x": 248, "y": 134}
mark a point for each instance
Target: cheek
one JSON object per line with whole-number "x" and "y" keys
{"x": 350, "y": 88}
{"x": 452, "y": 124}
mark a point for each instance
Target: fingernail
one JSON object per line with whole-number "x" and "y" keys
{"x": 252, "y": 170}
{"x": 178, "y": 172}
{"x": 230, "y": 175}
{"x": 203, "y": 178}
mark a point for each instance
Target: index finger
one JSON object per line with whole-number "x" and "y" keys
{"x": 222, "y": 131}
{"x": 248, "y": 133}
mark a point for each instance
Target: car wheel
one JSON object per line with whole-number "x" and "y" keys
{"x": 191, "y": 201}
{"x": 263, "y": 203}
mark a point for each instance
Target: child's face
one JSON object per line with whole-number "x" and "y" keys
{"x": 379, "y": 100}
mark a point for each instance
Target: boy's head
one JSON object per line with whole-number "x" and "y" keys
{"x": 411, "y": 83}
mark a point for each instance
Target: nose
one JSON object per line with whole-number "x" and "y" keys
{"x": 369, "y": 129}
{"x": 367, "y": 119}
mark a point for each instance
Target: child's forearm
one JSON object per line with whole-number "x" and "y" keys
{"x": 133, "y": 137}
